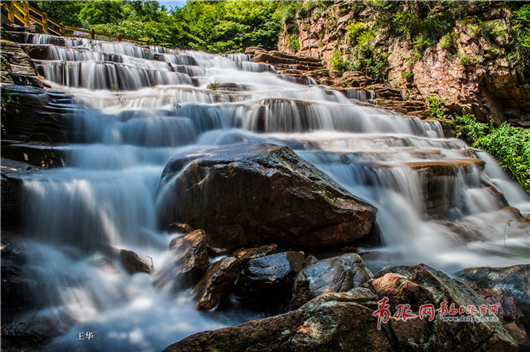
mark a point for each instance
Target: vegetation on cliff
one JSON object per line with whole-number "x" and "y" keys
{"x": 224, "y": 26}
{"x": 423, "y": 24}
{"x": 508, "y": 144}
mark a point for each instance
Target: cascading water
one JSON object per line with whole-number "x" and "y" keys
{"x": 143, "y": 105}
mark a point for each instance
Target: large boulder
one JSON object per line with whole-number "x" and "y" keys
{"x": 337, "y": 274}
{"x": 511, "y": 281}
{"x": 253, "y": 194}
{"x": 218, "y": 280}
{"x": 189, "y": 260}
{"x": 269, "y": 278}
{"x": 345, "y": 321}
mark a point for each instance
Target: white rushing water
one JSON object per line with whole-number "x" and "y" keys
{"x": 143, "y": 105}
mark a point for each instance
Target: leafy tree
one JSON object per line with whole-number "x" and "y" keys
{"x": 99, "y": 12}
{"x": 66, "y": 12}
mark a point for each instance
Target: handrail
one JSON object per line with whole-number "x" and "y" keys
{"x": 20, "y": 10}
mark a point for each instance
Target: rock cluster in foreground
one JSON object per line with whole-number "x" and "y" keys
{"x": 345, "y": 322}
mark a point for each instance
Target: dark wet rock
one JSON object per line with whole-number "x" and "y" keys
{"x": 381, "y": 255}
{"x": 37, "y": 51}
{"x": 217, "y": 282}
{"x": 269, "y": 278}
{"x": 12, "y": 200}
{"x": 188, "y": 262}
{"x": 311, "y": 259}
{"x": 132, "y": 262}
{"x": 345, "y": 322}
{"x": 36, "y": 114}
{"x": 16, "y": 285}
{"x": 245, "y": 195}
{"x": 510, "y": 314}
{"x": 26, "y": 336}
{"x": 337, "y": 274}
{"x": 511, "y": 281}
{"x": 106, "y": 265}
{"x": 177, "y": 227}
{"x": 36, "y": 153}
{"x": 16, "y": 61}
{"x": 246, "y": 254}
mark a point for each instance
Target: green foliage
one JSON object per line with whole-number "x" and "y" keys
{"x": 436, "y": 106}
{"x": 101, "y": 12}
{"x": 294, "y": 43}
{"x": 338, "y": 63}
{"x": 509, "y": 145}
{"x": 354, "y": 30}
{"x": 213, "y": 85}
{"x": 521, "y": 31}
{"x": 447, "y": 42}
{"x": 224, "y": 26}
{"x": 407, "y": 76}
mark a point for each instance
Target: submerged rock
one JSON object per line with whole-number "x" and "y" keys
{"x": 337, "y": 274}
{"x": 218, "y": 280}
{"x": 132, "y": 263}
{"x": 345, "y": 321}
{"x": 188, "y": 262}
{"x": 252, "y": 194}
{"x": 269, "y": 278}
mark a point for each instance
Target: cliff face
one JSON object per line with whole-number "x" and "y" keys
{"x": 464, "y": 52}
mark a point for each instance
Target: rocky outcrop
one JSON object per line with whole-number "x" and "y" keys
{"x": 263, "y": 193}
{"x": 217, "y": 282}
{"x": 337, "y": 274}
{"x": 15, "y": 60}
{"x": 345, "y": 321}
{"x": 269, "y": 278}
{"x": 467, "y": 63}
{"x": 189, "y": 260}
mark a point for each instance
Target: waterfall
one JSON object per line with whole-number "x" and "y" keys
{"x": 143, "y": 104}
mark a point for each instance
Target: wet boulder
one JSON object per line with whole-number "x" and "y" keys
{"x": 269, "y": 278}
{"x": 217, "y": 282}
{"x": 246, "y": 254}
{"x": 189, "y": 260}
{"x": 177, "y": 227}
{"x": 511, "y": 281}
{"x": 337, "y": 274}
{"x": 510, "y": 315}
{"x": 345, "y": 321}
{"x": 245, "y": 195}
{"x": 132, "y": 262}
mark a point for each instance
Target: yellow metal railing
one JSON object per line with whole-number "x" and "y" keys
{"x": 22, "y": 11}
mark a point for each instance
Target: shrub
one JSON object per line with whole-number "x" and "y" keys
{"x": 294, "y": 43}
{"x": 509, "y": 145}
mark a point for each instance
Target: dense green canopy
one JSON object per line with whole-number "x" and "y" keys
{"x": 215, "y": 26}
